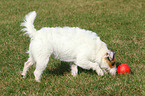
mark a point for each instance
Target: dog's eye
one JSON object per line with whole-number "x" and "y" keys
{"x": 113, "y": 63}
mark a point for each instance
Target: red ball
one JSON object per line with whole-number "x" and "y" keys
{"x": 123, "y": 69}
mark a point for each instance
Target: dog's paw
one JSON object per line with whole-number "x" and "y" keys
{"x": 37, "y": 80}
{"x": 74, "y": 74}
{"x": 105, "y": 71}
{"x": 23, "y": 76}
{"x": 100, "y": 72}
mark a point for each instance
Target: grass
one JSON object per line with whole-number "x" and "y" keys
{"x": 119, "y": 23}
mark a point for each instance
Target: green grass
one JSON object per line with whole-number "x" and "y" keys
{"x": 119, "y": 23}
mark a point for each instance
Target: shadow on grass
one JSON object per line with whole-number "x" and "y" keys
{"x": 64, "y": 67}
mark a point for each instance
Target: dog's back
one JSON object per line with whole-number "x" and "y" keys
{"x": 67, "y": 40}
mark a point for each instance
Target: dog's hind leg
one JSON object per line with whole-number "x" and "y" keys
{"x": 27, "y": 65}
{"x": 41, "y": 64}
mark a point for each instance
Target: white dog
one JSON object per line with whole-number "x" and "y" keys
{"x": 71, "y": 44}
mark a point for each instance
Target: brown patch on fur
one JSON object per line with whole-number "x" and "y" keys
{"x": 111, "y": 63}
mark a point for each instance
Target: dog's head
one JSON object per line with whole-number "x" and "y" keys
{"x": 109, "y": 62}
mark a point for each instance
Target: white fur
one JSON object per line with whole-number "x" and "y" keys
{"x": 71, "y": 44}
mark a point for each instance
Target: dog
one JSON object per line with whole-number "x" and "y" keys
{"x": 78, "y": 46}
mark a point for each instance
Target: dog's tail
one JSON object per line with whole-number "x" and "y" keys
{"x": 28, "y": 23}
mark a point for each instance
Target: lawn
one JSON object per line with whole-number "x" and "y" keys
{"x": 119, "y": 23}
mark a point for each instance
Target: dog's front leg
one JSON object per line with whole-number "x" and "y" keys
{"x": 86, "y": 64}
{"x": 96, "y": 67}
{"x": 74, "y": 70}
{"x": 99, "y": 71}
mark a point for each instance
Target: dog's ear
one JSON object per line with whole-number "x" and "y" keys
{"x": 110, "y": 58}
{"x": 114, "y": 53}
{"x": 110, "y": 55}
{"x": 107, "y": 56}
